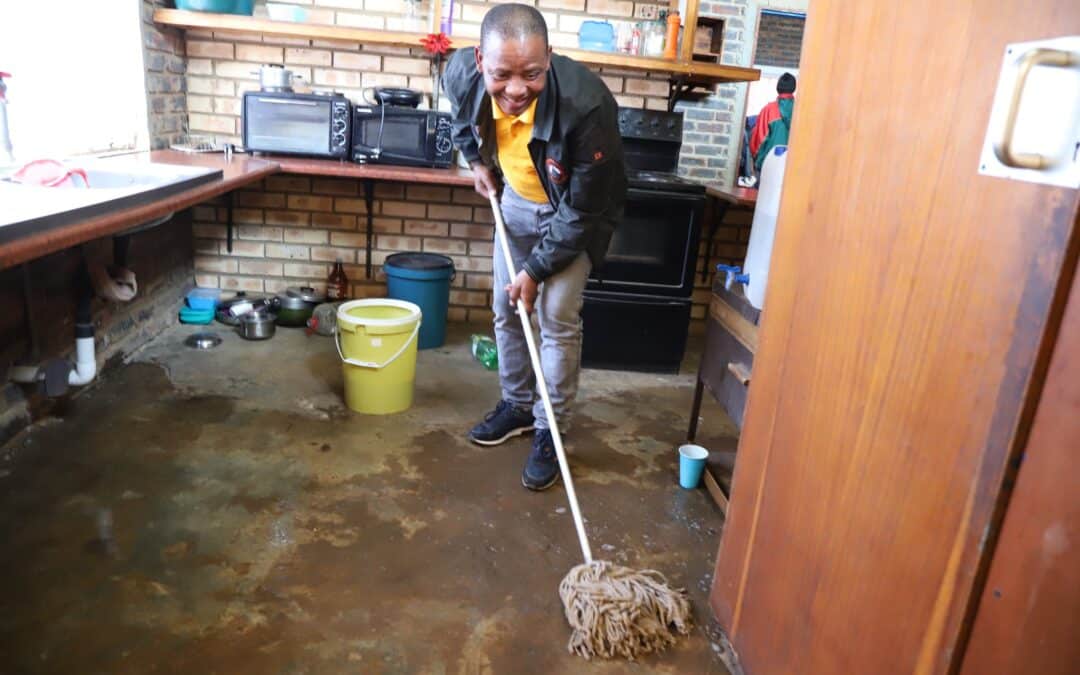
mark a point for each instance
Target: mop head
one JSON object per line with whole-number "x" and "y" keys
{"x": 617, "y": 611}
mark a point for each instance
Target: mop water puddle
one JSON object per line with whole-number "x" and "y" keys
{"x": 234, "y": 543}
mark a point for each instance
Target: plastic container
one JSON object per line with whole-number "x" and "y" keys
{"x": 203, "y": 298}
{"x": 424, "y": 280}
{"x": 376, "y": 341}
{"x": 598, "y": 36}
{"x": 281, "y": 12}
{"x": 763, "y": 229}
{"x": 691, "y": 465}
{"x": 217, "y": 6}
{"x": 671, "y": 40}
{"x": 197, "y": 316}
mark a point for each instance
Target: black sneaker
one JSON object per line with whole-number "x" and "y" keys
{"x": 504, "y": 421}
{"x": 542, "y": 468}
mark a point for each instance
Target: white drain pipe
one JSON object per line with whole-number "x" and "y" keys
{"x": 85, "y": 362}
{"x": 84, "y": 371}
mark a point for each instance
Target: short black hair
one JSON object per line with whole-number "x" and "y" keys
{"x": 786, "y": 84}
{"x": 513, "y": 21}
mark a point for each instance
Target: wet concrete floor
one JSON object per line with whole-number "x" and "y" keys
{"x": 222, "y": 512}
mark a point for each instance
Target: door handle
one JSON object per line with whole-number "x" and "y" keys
{"x": 1058, "y": 58}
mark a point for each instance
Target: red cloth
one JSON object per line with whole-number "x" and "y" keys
{"x": 769, "y": 114}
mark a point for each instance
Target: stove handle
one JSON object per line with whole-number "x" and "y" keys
{"x": 636, "y": 301}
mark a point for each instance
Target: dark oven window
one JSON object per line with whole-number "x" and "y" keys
{"x": 288, "y": 125}
{"x": 403, "y": 134}
{"x": 653, "y": 248}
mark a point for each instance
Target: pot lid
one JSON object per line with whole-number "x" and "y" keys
{"x": 305, "y": 293}
{"x": 202, "y": 341}
{"x": 240, "y": 297}
{"x": 420, "y": 261}
{"x": 293, "y": 302}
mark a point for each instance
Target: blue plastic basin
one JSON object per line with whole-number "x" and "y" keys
{"x": 218, "y": 6}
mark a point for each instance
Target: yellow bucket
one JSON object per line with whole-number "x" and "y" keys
{"x": 376, "y": 340}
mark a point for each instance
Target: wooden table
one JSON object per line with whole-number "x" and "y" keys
{"x": 731, "y": 339}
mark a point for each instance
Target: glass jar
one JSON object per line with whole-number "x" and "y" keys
{"x": 654, "y": 38}
{"x": 414, "y": 17}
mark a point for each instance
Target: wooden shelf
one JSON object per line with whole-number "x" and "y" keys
{"x": 697, "y": 71}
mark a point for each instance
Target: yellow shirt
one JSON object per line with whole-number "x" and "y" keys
{"x": 513, "y": 135}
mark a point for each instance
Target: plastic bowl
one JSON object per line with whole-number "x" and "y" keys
{"x": 280, "y": 12}
{"x": 218, "y": 6}
{"x": 204, "y": 299}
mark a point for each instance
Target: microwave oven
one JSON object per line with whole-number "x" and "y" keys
{"x": 291, "y": 123}
{"x": 387, "y": 134}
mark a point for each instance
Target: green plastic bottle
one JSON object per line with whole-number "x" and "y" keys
{"x": 485, "y": 351}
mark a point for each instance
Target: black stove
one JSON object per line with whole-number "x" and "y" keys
{"x": 637, "y": 305}
{"x": 651, "y": 143}
{"x": 658, "y": 180}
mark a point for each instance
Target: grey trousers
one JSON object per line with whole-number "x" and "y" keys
{"x": 558, "y": 311}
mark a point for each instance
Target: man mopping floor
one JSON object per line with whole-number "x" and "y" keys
{"x": 542, "y": 131}
{"x": 548, "y": 127}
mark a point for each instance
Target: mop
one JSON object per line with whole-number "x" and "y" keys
{"x": 612, "y": 610}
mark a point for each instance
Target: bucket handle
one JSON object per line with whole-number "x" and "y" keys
{"x": 372, "y": 364}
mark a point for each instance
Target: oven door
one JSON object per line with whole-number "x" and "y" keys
{"x": 646, "y": 333}
{"x": 654, "y": 248}
{"x": 282, "y": 124}
{"x": 391, "y": 136}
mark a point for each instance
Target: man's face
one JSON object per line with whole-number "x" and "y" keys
{"x": 514, "y": 70}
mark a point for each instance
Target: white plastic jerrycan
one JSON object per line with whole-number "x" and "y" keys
{"x": 754, "y": 275}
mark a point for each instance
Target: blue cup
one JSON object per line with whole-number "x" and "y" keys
{"x": 691, "y": 464}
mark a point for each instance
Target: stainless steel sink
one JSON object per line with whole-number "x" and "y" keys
{"x": 114, "y": 183}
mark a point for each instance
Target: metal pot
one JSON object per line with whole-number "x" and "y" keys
{"x": 229, "y": 311}
{"x": 257, "y": 325}
{"x": 274, "y": 77}
{"x": 296, "y": 305}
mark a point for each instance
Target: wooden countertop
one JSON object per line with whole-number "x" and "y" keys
{"x": 239, "y": 171}
{"x": 405, "y": 174}
{"x": 738, "y": 196}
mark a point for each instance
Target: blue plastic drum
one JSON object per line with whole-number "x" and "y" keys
{"x": 424, "y": 280}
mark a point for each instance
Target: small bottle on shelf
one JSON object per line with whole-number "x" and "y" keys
{"x": 671, "y": 42}
{"x": 337, "y": 284}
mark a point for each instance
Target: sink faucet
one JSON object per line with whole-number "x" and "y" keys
{"x": 5, "y": 135}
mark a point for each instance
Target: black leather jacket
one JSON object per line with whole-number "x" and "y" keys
{"x": 575, "y": 148}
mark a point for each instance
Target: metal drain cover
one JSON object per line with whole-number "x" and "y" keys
{"x": 202, "y": 341}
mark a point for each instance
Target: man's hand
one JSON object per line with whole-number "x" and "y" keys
{"x": 525, "y": 288}
{"x": 484, "y": 180}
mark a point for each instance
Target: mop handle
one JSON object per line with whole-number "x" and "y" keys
{"x": 526, "y": 327}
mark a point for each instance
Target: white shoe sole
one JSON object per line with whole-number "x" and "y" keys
{"x": 498, "y": 441}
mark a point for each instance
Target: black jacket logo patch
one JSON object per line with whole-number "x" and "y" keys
{"x": 555, "y": 172}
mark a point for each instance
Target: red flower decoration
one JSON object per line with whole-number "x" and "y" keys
{"x": 436, "y": 43}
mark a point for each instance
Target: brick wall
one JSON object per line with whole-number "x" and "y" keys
{"x": 290, "y": 230}
{"x": 728, "y": 247}
{"x": 779, "y": 41}
{"x": 166, "y": 97}
{"x": 711, "y": 126}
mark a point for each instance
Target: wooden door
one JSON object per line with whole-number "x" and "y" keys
{"x": 1026, "y": 621}
{"x": 911, "y": 308}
